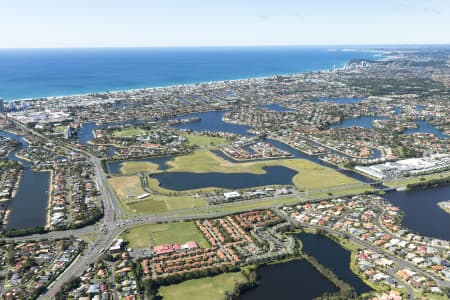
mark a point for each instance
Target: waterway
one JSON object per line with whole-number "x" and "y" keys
{"x": 296, "y": 279}
{"x": 332, "y": 256}
{"x": 29, "y": 206}
{"x": 424, "y": 127}
{"x": 421, "y": 212}
{"x": 113, "y": 167}
{"x": 366, "y": 122}
{"x": 86, "y": 131}
{"x": 277, "y": 107}
{"x": 180, "y": 181}
{"x": 211, "y": 121}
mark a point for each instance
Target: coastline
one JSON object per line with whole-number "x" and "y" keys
{"x": 377, "y": 55}
{"x": 163, "y": 87}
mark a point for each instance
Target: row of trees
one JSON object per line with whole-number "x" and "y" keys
{"x": 89, "y": 219}
{"x": 345, "y": 290}
{"x": 25, "y": 231}
{"x": 67, "y": 287}
{"x": 251, "y": 280}
{"x": 428, "y": 184}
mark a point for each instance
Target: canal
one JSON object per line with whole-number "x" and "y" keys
{"x": 29, "y": 206}
{"x": 297, "y": 279}
{"x": 212, "y": 121}
{"x": 421, "y": 212}
{"x": 332, "y": 256}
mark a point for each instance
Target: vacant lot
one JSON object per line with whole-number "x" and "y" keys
{"x": 203, "y": 140}
{"x": 162, "y": 203}
{"x": 134, "y": 167}
{"x": 127, "y": 188}
{"x": 147, "y": 235}
{"x": 128, "y": 132}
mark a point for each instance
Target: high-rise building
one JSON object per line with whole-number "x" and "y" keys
{"x": 68, "y": 133}
{"x": 2, "y": 108}
{"x": 11, "y": 106}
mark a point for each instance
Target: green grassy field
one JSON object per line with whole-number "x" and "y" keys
{"x": 310, "y": 175}
{"x": 134, "y": 167}
{"x": 341, "y": 192}
{"x": 146, "y": 235}
{"x": 124, "y": 186}
{"x": 241, "y": 206}
{"x": 60, "y": 128}
{"x": 203, "y": 140}
{"x": 161, "y": 203}
{"x": 318, "y": 180}
{"x": 210, "y": 288}
{"x": 128, "y": 132}
{"x": 90, "y": 237}
{"x": 127, "y": 188}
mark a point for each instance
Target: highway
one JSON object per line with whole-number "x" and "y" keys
{"x": 111, "y": 220}
{"x": 113, "y": 224}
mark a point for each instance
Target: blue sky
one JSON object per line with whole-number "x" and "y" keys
{"x": 159, "y": 23}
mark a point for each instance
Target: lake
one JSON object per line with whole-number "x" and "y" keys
{"x": 29, "y": 206}
{"x": 422, "y": 214}
{"x": 295, "y": 279}
{"x": 332, "y": 256}
{"x": 180, "y": 181}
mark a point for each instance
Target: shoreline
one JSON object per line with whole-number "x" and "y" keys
{"x": 49, "y": 213}
{"x": 445, "y": 206}
{"x": 162, "y": 87}
{"x": 382, "y": 56}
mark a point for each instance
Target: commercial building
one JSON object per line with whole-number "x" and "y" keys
{"x": 116, "y": 247}
{"x": 407, "y": 167}
{"x": 232, "y": 195}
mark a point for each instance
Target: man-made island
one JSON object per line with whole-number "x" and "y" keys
{"x": 445, "y": 205}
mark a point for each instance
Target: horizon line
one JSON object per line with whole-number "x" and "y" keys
{"x": 234, "y": 46}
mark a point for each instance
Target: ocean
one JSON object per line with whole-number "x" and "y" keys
{"x": 36, "y": 73}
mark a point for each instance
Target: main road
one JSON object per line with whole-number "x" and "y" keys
{"x": 402, "y": 264}
{"x": 113, "y": 224}
{"x": 111, "y": 219}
